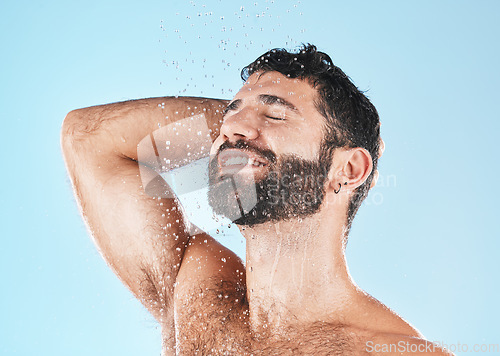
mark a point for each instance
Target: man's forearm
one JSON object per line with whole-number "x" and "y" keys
{"x": 119, "y": 127}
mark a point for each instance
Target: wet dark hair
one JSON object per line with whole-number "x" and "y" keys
{"x": 351, "y": 119}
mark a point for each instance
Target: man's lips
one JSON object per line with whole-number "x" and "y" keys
{"x": 233, "y": 160}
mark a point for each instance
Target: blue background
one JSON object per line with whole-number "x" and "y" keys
{"x": 425, "y": 242}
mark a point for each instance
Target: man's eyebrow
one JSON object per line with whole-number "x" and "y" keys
{"x": 276, "y": 100}
{"x": 232, "y": 106}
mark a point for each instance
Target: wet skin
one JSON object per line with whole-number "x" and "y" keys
{"x": 294, "y": 295}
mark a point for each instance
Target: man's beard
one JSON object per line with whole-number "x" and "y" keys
{"x": 293, "y": 187}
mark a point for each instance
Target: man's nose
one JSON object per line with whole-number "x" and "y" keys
{"x": 242, "y": 125}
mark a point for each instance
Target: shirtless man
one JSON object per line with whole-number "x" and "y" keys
{"x": 297, "y": 116}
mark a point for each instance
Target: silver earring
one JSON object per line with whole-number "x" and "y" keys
{"x": 340, "y": 187}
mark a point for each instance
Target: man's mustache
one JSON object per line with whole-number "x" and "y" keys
{"x": 244, "y": 145}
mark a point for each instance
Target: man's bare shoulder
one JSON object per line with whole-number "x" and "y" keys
{"x": 381, "y": 331}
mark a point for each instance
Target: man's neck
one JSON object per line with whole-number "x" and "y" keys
{"x": 297, "y": 273}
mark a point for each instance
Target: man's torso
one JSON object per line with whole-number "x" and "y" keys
{"x": 215, "y": 321}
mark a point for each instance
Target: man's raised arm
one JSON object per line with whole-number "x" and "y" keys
{"x": 141, "y": 237}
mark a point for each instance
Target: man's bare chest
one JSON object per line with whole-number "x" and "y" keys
{"x": 218, "y": 323}
{"x": 231, "y": 341}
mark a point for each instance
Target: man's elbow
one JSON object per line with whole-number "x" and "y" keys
{"x": 69, "y": 124}
{"x": 68, "y": 130}
{"x": 76, "y": 126}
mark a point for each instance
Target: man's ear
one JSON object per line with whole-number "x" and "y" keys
{"x": 357, "y": 167}
{"x": 353, "y": 166}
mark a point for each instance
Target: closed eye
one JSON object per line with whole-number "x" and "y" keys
{"x": 274, "y": 118}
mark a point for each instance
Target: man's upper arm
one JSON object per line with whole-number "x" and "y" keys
{"x": 140, "y": 237}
